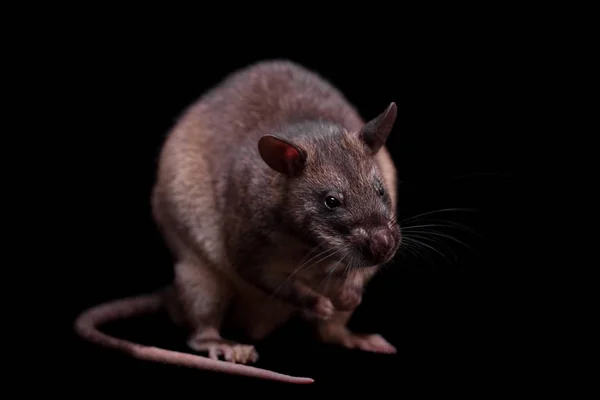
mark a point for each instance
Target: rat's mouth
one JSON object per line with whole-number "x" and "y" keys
{"x": 374, "y": 246}
{"x": 350, "y": 258}
{"x": 365, "y": 257}
{"x": 361, "y": 262}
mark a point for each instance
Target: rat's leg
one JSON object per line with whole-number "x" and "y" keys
{"x": 334, "y": 330}
{"x": 204, "y": 297}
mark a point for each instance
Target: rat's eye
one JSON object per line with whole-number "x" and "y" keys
{"x": 332, "y": 202}
{"x": 380, "y": 189}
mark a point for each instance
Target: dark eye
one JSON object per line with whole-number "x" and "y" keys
{"x": 380, "y": 189}
{"x": 332, "y": 202}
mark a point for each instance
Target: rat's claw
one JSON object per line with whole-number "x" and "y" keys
{"x": 228, "y": 353}
{"x": 232, "y": 352}
{"x": 244, "y": 354}
{"x": 213, "y": 353}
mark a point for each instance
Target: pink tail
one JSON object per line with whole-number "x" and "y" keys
{"x": 86, "y": 326}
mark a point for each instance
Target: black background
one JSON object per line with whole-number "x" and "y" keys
{"x": 460, "y": 320}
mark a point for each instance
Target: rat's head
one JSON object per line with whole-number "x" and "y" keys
{"x": 335, "y": 193}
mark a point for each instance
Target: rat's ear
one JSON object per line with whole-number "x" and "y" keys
{"x": 281, "y": 155}
{"x": 375, "y": 132}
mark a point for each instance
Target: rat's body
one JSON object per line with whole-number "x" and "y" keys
{"x": 263, "y": 168}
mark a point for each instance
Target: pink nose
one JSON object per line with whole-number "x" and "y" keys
{"x": 381, "y": 244}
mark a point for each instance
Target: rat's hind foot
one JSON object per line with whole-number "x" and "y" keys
{"x": 340, "y": 335}
{"x": 230, "y": 351}
{"x": 370, "y": 342}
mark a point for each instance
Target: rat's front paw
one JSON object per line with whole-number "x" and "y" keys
{"x": 322, "y": 309}
{"x": 348, "y": 298}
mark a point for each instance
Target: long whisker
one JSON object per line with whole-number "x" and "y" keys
{"x": 309, "y": 253}
{"x": 412, "y": 245}
{"x": 329, "y": 273}
{"x": 426, "y": 245}
{"x": 446, "y": 224}
{"x": 348, "y": 267}
{"x": 408, "y": 247}
{"x": 415, "y": 247}
{"x": 296, "y": 270}
{"x": 312, "y": 258}
{"x": 342, "y": 260}
{"x": 441, "y": 234}
{"x": 440, "y": 211}
{"x": 323, "y": 259}
{"x": 437, "y": 242}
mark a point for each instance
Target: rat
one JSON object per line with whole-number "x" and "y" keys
{"x": 275, "y": 199}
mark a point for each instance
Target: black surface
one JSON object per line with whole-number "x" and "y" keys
{"x": 459, "y": 320}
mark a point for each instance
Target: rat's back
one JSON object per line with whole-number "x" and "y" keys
{"x": 260, "y": 97}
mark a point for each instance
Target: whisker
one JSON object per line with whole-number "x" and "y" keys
{"x": 386, "y": 265}
{"x": 447, "y": 224}
{"x": 428, "y": 246}
{"x": 416, "y": 248}
{"x": 342, "y": 260}
{"x": 437, "y": 242}
{"x": 316, "y": 256}
{"x": 329, "y": 273}
{"x": 408, "y": 247}
{"x": 331, "y": 252}
{"x": 349, "y": 266}
{"x": 323, "y": 259}
{"x": 440, "y": 211}
{"x": 310, "y": 252}
{"x": 445, "y": 235}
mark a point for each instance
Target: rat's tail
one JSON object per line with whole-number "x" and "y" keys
{"x": 86, "y": 326}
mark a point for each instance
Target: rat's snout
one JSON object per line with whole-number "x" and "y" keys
{"x": 381, "y": 242}
{"x": 379, "y": 245}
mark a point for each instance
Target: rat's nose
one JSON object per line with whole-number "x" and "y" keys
{"x": 381, "y": 245}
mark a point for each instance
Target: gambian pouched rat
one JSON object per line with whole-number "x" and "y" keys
{"x": 274, "y": 198}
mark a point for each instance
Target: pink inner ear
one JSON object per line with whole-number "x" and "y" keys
{"x": 291, "y": 154}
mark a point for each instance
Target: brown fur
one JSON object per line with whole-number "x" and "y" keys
{"x": 238, "y": 229}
